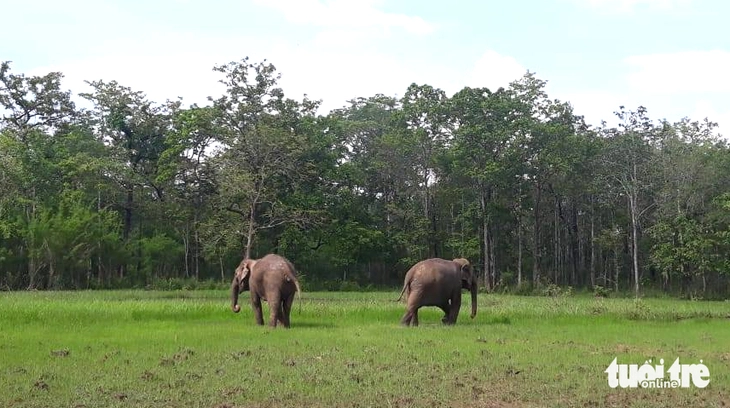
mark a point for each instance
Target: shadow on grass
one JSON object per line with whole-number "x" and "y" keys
{"x": 313, "y": 324}
{"x": 497, "y": 320}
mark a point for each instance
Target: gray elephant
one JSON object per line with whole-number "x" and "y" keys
{"x": 438, "y": 282}
{"x": 271, "y": 278}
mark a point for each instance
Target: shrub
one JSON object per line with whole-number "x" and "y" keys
{"x": 349, "y": 286}
{"x": 554, "y": 290}
{"x": 600, "y": 291}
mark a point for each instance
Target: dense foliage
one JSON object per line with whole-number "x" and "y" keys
{"x": 128, "y": 191}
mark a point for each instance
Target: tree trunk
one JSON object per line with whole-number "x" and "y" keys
{"x": 593, "y": 251}
{"x": 99, "y": 268}
{"x": 127, "y": 230}
{"x": 196, "y": 247}
{"x": 536, "y": 237}
{"x": 556, "y": 243}
{"x": 51, "y": 265}
{"x": 574, "y": 244}
{"x": 616, "y": 269}
{"x": 634, "y": 244}
{"x": 186, "y": 251}
{"x": 250, "y": 232}
{"x": 519, "y": 247}
{"x": 431, "y": 243}
{"x": 485, "y": 239}
{"x": 492, "y": 261}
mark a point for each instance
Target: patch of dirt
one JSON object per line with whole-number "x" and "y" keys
{"x": 41, "y": 385}
{"x": 60, "y": 353}
{"x": 231, "y": 392}
{"x": 240, "y": 354}
{"x": 623, "y": 348}
{"x": 289, "y": 362}
{"x": 166, "y": 362}
{"x": 178, "y": 357}
{"x": 107, "y": 356}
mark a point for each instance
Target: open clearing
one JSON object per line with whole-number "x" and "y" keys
{"x": 186, "y": 348}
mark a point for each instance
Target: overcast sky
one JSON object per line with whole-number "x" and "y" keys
{"x": 671, "y": 56}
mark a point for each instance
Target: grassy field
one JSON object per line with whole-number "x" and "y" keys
{"x": 186, "y": 349}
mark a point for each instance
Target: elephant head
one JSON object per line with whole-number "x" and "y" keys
{"x": 240, "y": 282}
{"x": 469, "y": 281}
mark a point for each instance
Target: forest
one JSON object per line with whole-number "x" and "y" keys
{"x": 108, "y": 189}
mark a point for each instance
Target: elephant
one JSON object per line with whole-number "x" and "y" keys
{"x": 271, "y": 278}
{"x": 438, "y": 282}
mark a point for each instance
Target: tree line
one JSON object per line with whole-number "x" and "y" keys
{"x": 127, "y": 191}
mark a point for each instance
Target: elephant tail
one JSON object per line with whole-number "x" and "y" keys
{"x": 299, "y": 294}
{"x": 405, "y": 286}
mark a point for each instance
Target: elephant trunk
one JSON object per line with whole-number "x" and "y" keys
{"x": 473, "y": 299}
{"x": 234, "y": 296}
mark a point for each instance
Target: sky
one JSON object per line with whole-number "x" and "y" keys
{"x": 670, "y": 56}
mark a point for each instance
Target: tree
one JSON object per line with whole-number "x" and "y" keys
{"x": 547, "y": 135}
{"x": 134, "y": 129}
{"x": 486, "y": 126}
{"x": 628, "y": 156}
{"x": 185, "y": 167}
{"x": 35, "y": 102}
{"x": 426, "y": 129}
{"x": 261, "y": 146}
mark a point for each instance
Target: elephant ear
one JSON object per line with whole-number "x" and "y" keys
{"x": 467, "y": 273}
{"x": 243, "y": 273}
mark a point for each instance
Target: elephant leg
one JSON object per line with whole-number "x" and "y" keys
{"x": 455, "y": 306}
{"x": 447, "y": 312}
{"x": 406, "y": 319}
{"x": 410, "y": 316}
{"x": 257, "y": 312}
{"x": 274, "y": 310}
{"x": 280, "y": 315}
{"x": 286, "y": 310}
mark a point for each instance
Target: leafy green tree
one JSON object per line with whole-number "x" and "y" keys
{"x": 425, "y": 127}
{"x": 33, "y": 103}
{"x": 486, "y": 125}
{"x": 629, "y": 155}
{"x": 187, "y": 171}
{"x": 134, "y": 129}
{"x": 262, "y": 146}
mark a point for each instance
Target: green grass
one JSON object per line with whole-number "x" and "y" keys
{"x": 174, "y": 349}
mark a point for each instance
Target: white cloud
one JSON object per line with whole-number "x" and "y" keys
{"x": 350, "y": 14}
{"x": 600, "y": 105}
{"x": 346, "y": 38}
{"x": 160, "y": 80}
{"x": 318, "y": 71}
{"x": 595, "y": 106}
{"x": 624, "y": 6}
{"x": 493, "y": 70}
{"x": 689, "y": 71}
{"x": 160, "y": 77}
{"x": 336, "y": 77}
